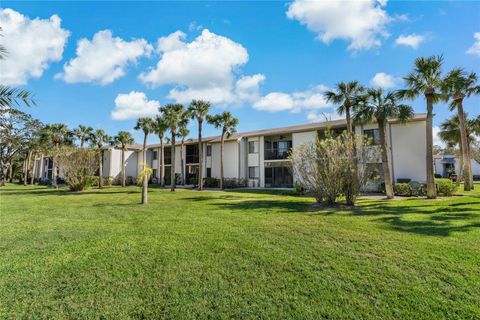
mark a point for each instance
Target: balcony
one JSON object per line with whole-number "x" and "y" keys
{"x": 276, "y": 154}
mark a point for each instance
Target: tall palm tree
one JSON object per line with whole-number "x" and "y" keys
{"x": 123, "y": 138}
{"x": 450, "y": 134}
{"x": 426, "y": 79}
{"x": 183, "y": 132}
{"x": 83, "y": 134}
{"x": 381, "y": 106}
{"x": 57, "y": 135}
{"x": 228, "y": 123}
{"x": 198, "y": 109}
{"x": 99, "y": 139}
{"x": 344, "y": 96}
{"x": 173, "y": 114}
{"x": 457, "y": 86}
{"x": 160, "y": 127}
{"x": 146, "y": 125}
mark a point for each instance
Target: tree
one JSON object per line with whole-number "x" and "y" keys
{"x": 198, "y": 109}
{"x": 17, "y": 129}
{"x": 99, "y": 139}
{"x": 146, "y": 125}
{"x": 57, "y": 135}
{"x": 173, "y": 114}
{"x": 228, "y": 124}
{"x": 83, "y": 134}
{"x": 183, "y": 132}
{"x": 123, "y": 138}
{"x": 426, "y": 79}
{"x": 160, "y": 126}
{"x": 344, "y": 96}
{"x": 77, "y": 166}
{"x": 450, "y": 134}
{"x": 381, "y": 106}
{"x": 457, "y": 86}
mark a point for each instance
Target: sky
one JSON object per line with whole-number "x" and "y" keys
{"x": 104, "y": 64}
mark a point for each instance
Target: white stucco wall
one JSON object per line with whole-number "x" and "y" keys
{"x": 230, "y": 163}
{"x": 302, "y": 137}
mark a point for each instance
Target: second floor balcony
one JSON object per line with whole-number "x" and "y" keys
{"x": 277, "y": 150}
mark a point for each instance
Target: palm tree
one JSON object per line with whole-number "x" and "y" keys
{"x": 160, "y": 127}
{"x": 123, "y": 138}
{"x": 56, "y": 134}
{"x": 344, "y": 95}
{"x": 228, "y": 124}
{"x": 99, "y": 139}
{"x": 183, "y": 132}
{"x": 381, "y": 106}
{"x": 173, "y": 114}
{"x": 450, "y": 134}
{"x": 146, "y": 125}
{"x": 83, "y": 134}
{"x": 426, "y": 79}
{"x": 457, "y": 86}
{"x": 198, "y": 109}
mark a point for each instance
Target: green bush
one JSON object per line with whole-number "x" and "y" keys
{"x": 438, "y": 176}
{"x": 107, "y": 181}
{"x": 446, "y": 187}
{"x": 230, "y": 183}
{"x": 93, "y": 181}
{"x": 211, "y": 182}
{"x": 402, "y": 189}
{"x": 417, "y": 189}
{"x": 299, "y": 187}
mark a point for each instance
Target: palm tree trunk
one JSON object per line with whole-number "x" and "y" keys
{"x": 172, "y": 168}
{"x": 182, "y": 162}
{"x": 27, "y": 168}
{"x": 467, "y": 164}
{"x": 54, "y": 169}
{"x": 162, "y": 162}
{"x": 460, "y": 164}
{"x": 200, "y": 156}
{"x": 123, "y": 166}
{"x": 41, "y": 168}
{"x": 145, "y": 176}
{"x": 385, "y": 166}
{"x": 32, "y": 180}
{"x": 349, "y": 119}
{"x": 221, "y": 160}
{"x": 431, "y": 190}
{"x": 100, "y": 169}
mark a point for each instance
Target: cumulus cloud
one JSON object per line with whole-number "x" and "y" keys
{"x": 134, "y": 105}
{"x": 436, "y": 139}
{"x": 32, "y": 44}
{"x": 247, "y": 88}
{"x": 362, "y": 23}
{"x": 384, "y": 80}
{"x": 322, "y": 116}
{"x": 475, "y": 48}
{"x": 411, "y": 40}
{"x": 204, "y": 68}
{"x": 103, "y": 59}
{"x": 308, "y": 100}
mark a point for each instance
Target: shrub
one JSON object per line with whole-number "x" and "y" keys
{"x": 130, "y": 180}
{"x": 327, "y": 168}
{"x": 299, "y": 187}
{"x": 211, "y": 182}
{"x": 402, "y": 189}
{"x": 417, "y": 189}
{"x": 107, "y": 181}
{"x": 94, "y": 180}
{"x": 231, "y": 183}
{"x": 446, "y": 187}
{"x": 438, "y": 176}
{"x": 77, "y": 166}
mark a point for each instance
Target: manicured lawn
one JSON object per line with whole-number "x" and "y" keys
{"x": 213, "y": 254}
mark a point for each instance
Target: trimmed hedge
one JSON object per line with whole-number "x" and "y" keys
{"x": 402, "y": 189}
{"x": 446, "y": 187}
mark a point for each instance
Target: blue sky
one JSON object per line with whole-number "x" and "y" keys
{"x": 266, "y": 62}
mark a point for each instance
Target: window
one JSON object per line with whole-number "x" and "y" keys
{"x": 253, "y": 172}
{"x": 154, "y": 155}
{"x": 209, "y": 172}
{"x": 253, "y": 147}
{"x": 209, "y": 151}
{"x": 154, "y": 174}
{"x": 168, "y": 155}
{"x": 373, "y": 135}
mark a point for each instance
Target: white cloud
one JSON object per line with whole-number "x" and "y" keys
{"x": 207, "y": 65}
{"x": 361, "y": 22}
{"x": 103, "y": 59}
{"x": 475, "y": 48}
{"x": 412, "y": 40}
{"x": 31, "y": 44}
{"x": 436, "y": 139}
{"x": 247, "y": 88}
{"x": 323, "y": 116}
{"x": 384, "y": 80}
{"x": 134, "y": 105}
{"x": 308, "y": 100}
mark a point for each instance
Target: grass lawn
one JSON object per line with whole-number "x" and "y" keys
{"x": 190, "y": 254}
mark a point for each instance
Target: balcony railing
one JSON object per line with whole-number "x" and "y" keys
{"x": 276, "y": 154}
{"x": 192, "y": 158}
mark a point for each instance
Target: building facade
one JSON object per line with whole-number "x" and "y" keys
{"x": 260, "y": 158}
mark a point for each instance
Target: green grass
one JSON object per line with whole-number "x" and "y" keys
{"x": 190, "y": 254}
